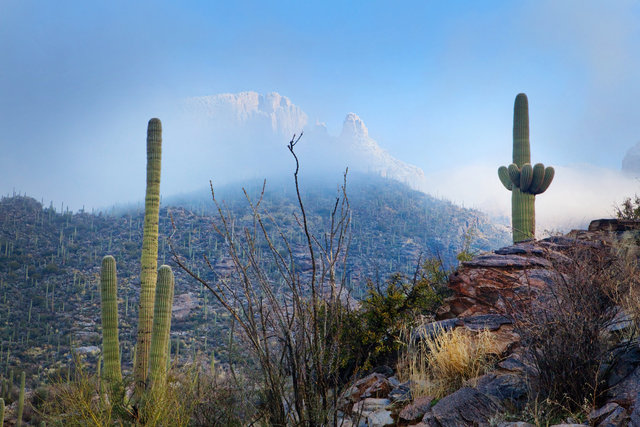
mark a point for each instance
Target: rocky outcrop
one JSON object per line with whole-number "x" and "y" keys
{"x": 488, "y": 292}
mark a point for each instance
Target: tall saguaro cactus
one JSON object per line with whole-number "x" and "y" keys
{"x": 149, "y": 259}
{"x": 163, "y": 301}
{"x": 161, "y": 325}
{"x": 523, "y": 180}
{"x": 110, "y": 342}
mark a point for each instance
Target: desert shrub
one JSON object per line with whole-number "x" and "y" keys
{"x": 564, "y": 332}
{"x": 439, "y": 364}
{"x": 630, "y": 208}
{"x": 372, "y": 334}
{"x": 288, "y": 316}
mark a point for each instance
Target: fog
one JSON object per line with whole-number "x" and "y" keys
{"x": 577, "y": 195}
{"x": 433, "y": 81}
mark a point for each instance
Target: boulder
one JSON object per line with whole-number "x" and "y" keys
{"x": 505, "y": 388}
{"x": 370, "y": 405}
{"x": 380, "y": 418}
{"x": 465, "y": 407}
{"x": 416, "y": 410}
{"x": 373, "y": 385}
{"x": 610, "y": 415}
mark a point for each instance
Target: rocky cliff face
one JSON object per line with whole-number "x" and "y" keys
{"x": 273, "y": 118}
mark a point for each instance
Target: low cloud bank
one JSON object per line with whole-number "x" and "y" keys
{"x": 578, "y": 194}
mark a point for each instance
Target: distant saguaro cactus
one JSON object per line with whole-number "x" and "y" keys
{"x": 20, "y": 400}
{"x": 523, "y": 180}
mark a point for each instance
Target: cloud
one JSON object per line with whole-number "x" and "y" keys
{"x": 578, "y": 194}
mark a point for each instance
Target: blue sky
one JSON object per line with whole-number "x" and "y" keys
{"x": 433, "y": 81}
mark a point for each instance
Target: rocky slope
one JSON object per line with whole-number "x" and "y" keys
{"x": 499, "y": 291}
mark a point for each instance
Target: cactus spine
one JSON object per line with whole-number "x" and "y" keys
{"x": 110, "y": 342}
{"x": 161, "y": 325}
{"x": 149, "y": 259}
{"x": 523, "y": 180}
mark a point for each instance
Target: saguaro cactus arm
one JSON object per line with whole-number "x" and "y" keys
{"x": 503, "y": 174}
{"x": 161, "y": 325}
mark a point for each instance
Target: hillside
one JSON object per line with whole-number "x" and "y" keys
{"x": 49, "y": 261}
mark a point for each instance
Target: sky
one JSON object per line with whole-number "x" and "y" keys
{"x": 434, "y": 81}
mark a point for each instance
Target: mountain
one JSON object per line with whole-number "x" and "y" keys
{"x": 260, "y": 123}
{"x": 49, "y": 261}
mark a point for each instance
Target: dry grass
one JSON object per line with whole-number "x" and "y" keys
{"x": 440, "y": 364}
{"x": 87, "y": 401}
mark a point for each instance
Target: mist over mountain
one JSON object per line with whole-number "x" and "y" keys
{"x": 244, "y": 136}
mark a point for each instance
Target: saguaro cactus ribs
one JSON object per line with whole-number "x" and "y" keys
{"x": 523, "y": 180}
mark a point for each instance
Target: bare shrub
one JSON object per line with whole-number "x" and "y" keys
{"x": 565, "y": 330}
{"x": 289, "y": 320}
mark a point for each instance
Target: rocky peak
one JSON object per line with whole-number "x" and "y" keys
{"x": 284, "y": 117}
{"x": 354, "y": 127}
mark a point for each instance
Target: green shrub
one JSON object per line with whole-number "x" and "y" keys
{"x": 372, "y": 334}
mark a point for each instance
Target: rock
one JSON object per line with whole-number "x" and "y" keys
{"x": 625, "y": 390}
{"x": 401, "y": 393}
{"x": 610, "y": 415}
{"x": 416, "y": 410}
{"x": 429, "y": 420}
{"x": 380, "y": 418}
{"x": 504, "y": 340}
{"x": 394, "y": 381}
{"x": 515, "y": 424}
{"x": 373, "y": 385}
{"x": 429, "y": 330}
{"x": 612, "y": 224}
{"x": 620, "y": 322}
{"x": 492, "y": 322}
{"x": 465, "y": 407}
{"x": 384, "y": 370}
{"x": 506, "y": 388}
{"x": 370, "y": 405}
{"x": 527, "y": 248}
{"x": 515, "y": 363}
{"x": 507, "y": 261}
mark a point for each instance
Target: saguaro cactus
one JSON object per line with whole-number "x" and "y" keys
{"x": 148, "y": 277}
{"x": 20, "y": 401}
{"x": 523, "y": 180}
{"x": 149, "y": 259}
{"x": 161, "y": 325}
{"x": 110, "y": 341}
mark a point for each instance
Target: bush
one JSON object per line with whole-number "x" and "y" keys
{"x": 564, "y": 332}
{"x": 372, "y": 335}
{"x": 630, "y": 209}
